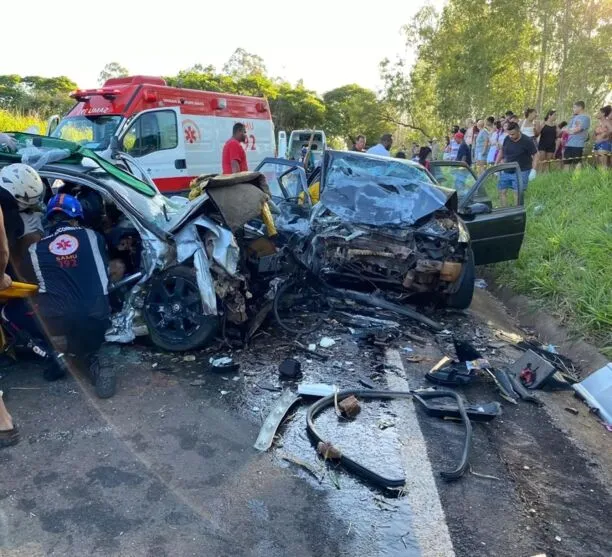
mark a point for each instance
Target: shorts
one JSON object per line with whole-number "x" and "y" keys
{"x": 508, "y": 180}
{"x": 492, "y": 155}
{"x": 572, "y": 155}
{"x": 480, "y": 155}
{"x": 547, "y": 147}
{"x": 603, "y": 147}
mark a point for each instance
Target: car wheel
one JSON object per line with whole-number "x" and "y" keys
{"x": 174, "y": 314}
{"x": 462, "y": 298}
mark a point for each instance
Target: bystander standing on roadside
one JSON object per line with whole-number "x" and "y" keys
{"x": 520, "y": 149}
{"x": 547, "y": 143}
{"x": 481, "y": 146}
{"x": 424, "y": 157}
{"x": 578, "y": 133}
{"x": 530, "y": 126}
{"x": 468, "y": 134}
{"x": 233, "y": 158}
{"x": 603, "y": 137}
{"x": 360, "y": 144}
{"x": 464, "y": 153}
{"x": 383, "y": 147}
{"x": 494, "y": 142}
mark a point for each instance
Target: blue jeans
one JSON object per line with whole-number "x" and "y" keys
{"x": 509, "y": 181}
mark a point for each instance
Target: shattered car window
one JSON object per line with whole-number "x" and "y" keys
{"x": 377, "y": 192}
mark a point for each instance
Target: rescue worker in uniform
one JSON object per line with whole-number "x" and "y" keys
{"x": 70, "y": 266}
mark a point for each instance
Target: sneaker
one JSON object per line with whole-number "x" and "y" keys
{"x": 103, "y": 379}
{"x": 56, "y": 368}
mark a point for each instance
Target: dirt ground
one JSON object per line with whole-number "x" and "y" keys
{"x": 167, "y": 466}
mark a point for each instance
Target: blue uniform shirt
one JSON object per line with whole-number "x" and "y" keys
{"x": 70, "y": 264}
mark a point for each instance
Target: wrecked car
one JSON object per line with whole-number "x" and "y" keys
{"x": 387, "y": 224}
{"x": 176, "y": 268}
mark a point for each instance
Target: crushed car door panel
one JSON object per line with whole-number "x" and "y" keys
{"x": 496, "y": 233}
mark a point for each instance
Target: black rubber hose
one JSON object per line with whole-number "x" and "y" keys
{"x": 369, "y": 475}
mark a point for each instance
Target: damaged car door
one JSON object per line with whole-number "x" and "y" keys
{"x": 496, "y": 231}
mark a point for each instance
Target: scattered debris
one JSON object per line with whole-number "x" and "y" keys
{"x": 223, "y": 364}
{"x": 504, "y": 385}
{"x": 367, "y": 383}
{"x": 385, "y": 424}
{"x": 477, "y": 412}
{"x": 269, "y": 387}
{"x": 328, "y": 451}
{"x": 318, "y": 475}
{"x": 311, "y": 351}
{"x": 572, "y": 410}
{"x": 189, "y": 358}
{"x": 532, "y": 369}
{"x": 274, "y": 419}
{"x": 316, "y": 389}
{"x": 480, "y": 283}
{"x": 290, "y": 369}
{"x": 407, "y": 349}
{"x": 349, "y": 407}
{"x": 366, "y": 473}
{"x": 596, "y": 390}
{"x": 197, "y": 383}
{"x": 557, "y": 538}
{"x": 326, "y": 342}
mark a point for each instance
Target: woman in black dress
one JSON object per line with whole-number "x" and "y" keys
{"x": 547, "y": 144}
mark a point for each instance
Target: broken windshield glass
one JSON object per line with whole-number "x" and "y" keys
{"x": 381, "y": 200}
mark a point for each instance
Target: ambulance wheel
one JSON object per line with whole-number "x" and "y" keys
{"x": 174, "y": 313}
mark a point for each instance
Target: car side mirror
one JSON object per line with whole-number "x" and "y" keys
{"x": 476, "y": 209}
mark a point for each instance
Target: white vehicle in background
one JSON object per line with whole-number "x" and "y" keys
{"x": 302, "y": 141}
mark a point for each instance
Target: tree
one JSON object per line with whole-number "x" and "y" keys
{"x": 37, "y": 95}
{"x": 113, "y": 69}
{"x": 242, "y": 64}
{"x": 352, "y": 110}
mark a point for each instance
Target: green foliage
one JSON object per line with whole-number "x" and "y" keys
{"x": 243, "y": 64}
{"x": 18, "y": 123}
{"x": 35, "y": 95}
{"x": 483, "y": 57}
{"x": 112, "y": 69}
{"x": 565, "y": 259}
{"x": 353, "y": 110}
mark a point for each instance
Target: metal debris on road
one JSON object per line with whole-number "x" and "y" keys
{"x": 290, "y": 369}
{"x": 274, "y": 419}
{"x": 349, "y": 407}
{"x": 326, "y": 342}
{"x": 596, "y": 390}
{"x": 189, "y": 358}
{"x": 316, "y": 389}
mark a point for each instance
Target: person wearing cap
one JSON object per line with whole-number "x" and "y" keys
{"x": 70, "y": 266}
{"x": 464, "y": 153}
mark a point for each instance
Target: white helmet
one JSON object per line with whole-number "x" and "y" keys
{"x": 23, "y": 183}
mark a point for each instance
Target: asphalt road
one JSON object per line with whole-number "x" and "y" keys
{"x": 167, "y": 467}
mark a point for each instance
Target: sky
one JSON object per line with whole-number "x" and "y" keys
{"x": 327, "y": 44}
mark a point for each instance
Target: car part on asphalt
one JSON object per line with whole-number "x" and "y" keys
{"x": 476, "y": 412}
{"x": 502, "y": 380}
{"x": 223, "y": 364}
{"x": 465, "y": 351}
{"x": 378, "y": 302}
{"x": 274, "y": 419}
{"x": 290, "y": 369}
{"x": 316, "y": 389}
{"x": 535, "y": 367}
{"x": 450, "y": 374}
{"x": 364, "y": 472}
{"x": 521, "y": 391}
{"x": 596, "y": 390}
{"x": 349, "y": 407}
{"x": 305, "y": 293}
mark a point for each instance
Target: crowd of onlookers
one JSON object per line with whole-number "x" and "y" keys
{"x": 556, "y": 142}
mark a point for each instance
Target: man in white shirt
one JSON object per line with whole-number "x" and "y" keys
{"x": 386, "y": 140}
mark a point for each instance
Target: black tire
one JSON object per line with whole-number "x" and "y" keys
{"x": 174, "y": 314}
{"x": 462, "y": 298}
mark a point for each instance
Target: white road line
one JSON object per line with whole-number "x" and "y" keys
{"x": 428, "y": 520}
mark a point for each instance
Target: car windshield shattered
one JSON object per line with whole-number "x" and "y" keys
{"x": 378, "y": 191}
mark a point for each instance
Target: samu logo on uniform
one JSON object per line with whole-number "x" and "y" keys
{"x": 64, "y": 244}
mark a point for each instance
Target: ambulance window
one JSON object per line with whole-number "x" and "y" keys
{"x": 150, "y": 132}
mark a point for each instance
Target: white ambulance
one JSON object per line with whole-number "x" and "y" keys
{"x": 174, "y": 134}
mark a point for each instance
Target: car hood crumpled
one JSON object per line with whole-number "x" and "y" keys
{"x": 382, "y": 200}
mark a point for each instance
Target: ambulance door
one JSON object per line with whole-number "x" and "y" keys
{"x": 261, "y": 142}
{"x": 153, "y": 138}
{"x": 202, "y": 145}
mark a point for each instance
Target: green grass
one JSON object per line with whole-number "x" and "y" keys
{"x": 566, "y": 259}
{"x": 18, "y": 122}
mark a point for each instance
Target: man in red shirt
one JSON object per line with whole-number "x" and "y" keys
{"x": 234, "y": 157}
